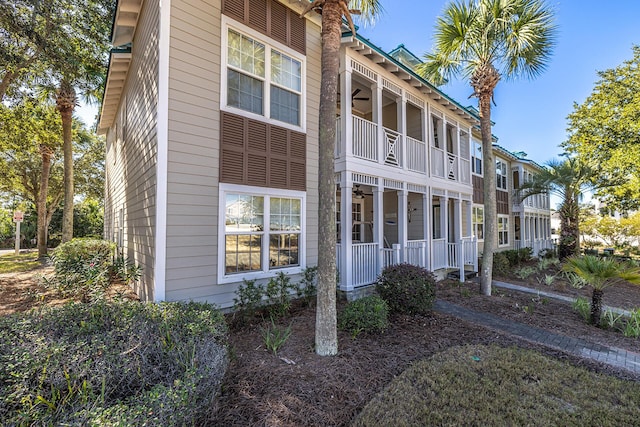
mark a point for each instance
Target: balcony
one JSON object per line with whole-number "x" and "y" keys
{"x": 400, "y": 151}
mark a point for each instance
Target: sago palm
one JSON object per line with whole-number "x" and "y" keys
{"x": 600, "y": 273}
{"x": 485, "y": 41}
{"x": 566, "y": 179}
{"x": 332, "y": 12}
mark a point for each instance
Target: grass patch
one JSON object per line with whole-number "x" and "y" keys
{"x": 12, "y": 263}
{"x": 480, "y": 385}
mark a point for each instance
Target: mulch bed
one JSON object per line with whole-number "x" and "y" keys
{"x": 298, "y": 388}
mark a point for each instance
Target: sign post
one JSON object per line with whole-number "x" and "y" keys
{"x": 18, "y": 217}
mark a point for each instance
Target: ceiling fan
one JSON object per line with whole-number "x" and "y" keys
{"x": 358, "y": 193}
{"x": 355, "y": 97}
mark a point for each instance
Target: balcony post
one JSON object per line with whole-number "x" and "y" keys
{"x": 378, "y": 224}
{"x": 346, "y": 275}
{"x": 376, "y": 117}
{"x": 346, "y": 122}
{"x": 403, "y": 218}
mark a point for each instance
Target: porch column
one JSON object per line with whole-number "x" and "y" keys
{"x": 378, "y": 224}
{"x": 403, "y": 214}
{"x": 469, "y": 224}
{"x": 346, "y": 121}
{"x": 346, "y": 278}
{"x": 457, "y": 216}
{"x": 376, "y": 117}
{"x": 426, "y": 226}
{"x": 402, "y": 130}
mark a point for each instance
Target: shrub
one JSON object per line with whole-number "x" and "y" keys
{"x": 248, "y": 301}
{"x": 518, "y": 256}
{"x": 307, "y": 287}
{"x": 279, "y": 295}
{"x": 369, "y": 314}
{"x": 547, "y": 253}
{"x": 82, "y": 268}
{"x": 610, "y": 320}
{"x": 407, "y": 288}
{"x": 500, "y": 264}
{"x": 112, "y": 363}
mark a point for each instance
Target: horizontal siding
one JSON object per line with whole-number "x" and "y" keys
{"x": 131, "y": 159}
{"x": 194, "y": 96}
{"x": 194, "y": 129}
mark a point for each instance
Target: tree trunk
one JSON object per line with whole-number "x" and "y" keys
{"x": 569, "y": 242}
{"x": 43, "y": 224}
{"x": 596, "y": 306}
{"x": 489, "y": 192}
{"x": 6, "y": 81}
{"x": 326, "y": 316}
{"x": 65, "y": 104}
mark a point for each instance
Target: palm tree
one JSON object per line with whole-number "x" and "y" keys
{"x": 600, "y": 273}
{"x": 567, "y": 179}
{"x": 332, "y": 12}
{"x": 484, "y": 40}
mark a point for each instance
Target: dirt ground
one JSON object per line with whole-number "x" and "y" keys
{"x": 298, "y": 388}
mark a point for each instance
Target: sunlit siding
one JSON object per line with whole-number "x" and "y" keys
{"x": 131, "y": 155}
{"x": 194, "y": 130}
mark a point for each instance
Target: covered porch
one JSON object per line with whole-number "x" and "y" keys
{"x": 381, "y": 222}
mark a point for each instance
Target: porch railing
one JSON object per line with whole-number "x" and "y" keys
{"x": 365, "y": 139}
{"x": 392, "y": 147}
{"x": 440, "y": 255}
{"x": 416, "y": 253}
{"x": 416, "y": 155}
{"x": 437, "y": 162}
{"x": 364, "y": 263}
{"x": 390, "y": 256}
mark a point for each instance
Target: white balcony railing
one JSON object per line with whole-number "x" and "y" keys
{"x": 365, "y": 139}
{"x": 439, "y": 252}
{"x": 416, "y": 155}
{"x": 392, "y": 147}
{"x": 437, "y": 162}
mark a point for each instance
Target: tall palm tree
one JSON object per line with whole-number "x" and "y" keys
{"x": 332, "y": 12}
{"x": 600, "y": 273}
{"x": 484, "y": 41}
{"x": 566, "y": 179}
{"x": 66, "y": 102}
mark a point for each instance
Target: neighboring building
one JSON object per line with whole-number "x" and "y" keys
{"x": 210, "y": 112}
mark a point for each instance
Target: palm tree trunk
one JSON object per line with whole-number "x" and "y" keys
{"x": 569, "y": 243}
{"x": 596, "y": 306}
{"x": 65, "y": 103}
{"x": 326, "y": 316}
{"x": 43, "y": 224}
{"x": 489, "y": 192}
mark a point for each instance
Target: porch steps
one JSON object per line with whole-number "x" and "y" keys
{"x": 468, "y": 274}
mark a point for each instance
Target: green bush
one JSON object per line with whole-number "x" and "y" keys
{"x": 501, "y": 266}
{"x": 82, "y": 268}
{"x": 407, "y": 288}
{"x": 369, "y": 315}
{"x": 107, "y": 363}
{"x": 278, "y": 293}
{"x": 307, "y": 287}
{"x": 582, "y": 306}
{"x": 518, "y": 256}
{"x": 247, "y": 303}
{"x": 632, "y": 326}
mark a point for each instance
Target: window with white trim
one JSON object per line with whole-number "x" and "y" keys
{"x": 262, "y": 232}
{"x": 501, "y": 174}
{"x": 503, "y": 230}
{"x": 263, "y": 80}
{"x": 476, "y": 158}
{"x": 477, "y": 221}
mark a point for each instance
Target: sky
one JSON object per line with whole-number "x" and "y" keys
{"x": 530, "y": 115}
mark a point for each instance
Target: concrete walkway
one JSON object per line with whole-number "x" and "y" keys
{"x": 613, "y": 356}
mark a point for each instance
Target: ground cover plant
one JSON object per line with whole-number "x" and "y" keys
{"x": 111, "y": 363}
{"x": 490, "y": 385}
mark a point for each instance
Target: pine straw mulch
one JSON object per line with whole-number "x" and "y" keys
{"x": 298, "y": 388}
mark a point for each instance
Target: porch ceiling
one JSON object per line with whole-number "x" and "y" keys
{"x": 390, "y": 65}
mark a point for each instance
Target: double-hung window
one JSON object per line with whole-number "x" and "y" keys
{"x": 501, "y": 174}
{"x": 262, "y": 232}
{"x": 477, "y": 219}
{"x": 476, "y": 158}
{"x": 262, "y": 79}
{"x": 503, "y": 231}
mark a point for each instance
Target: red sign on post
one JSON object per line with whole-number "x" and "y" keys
{"x": 18, "y": 216}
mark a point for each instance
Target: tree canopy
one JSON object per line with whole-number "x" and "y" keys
{"x": 605, "y": 132}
